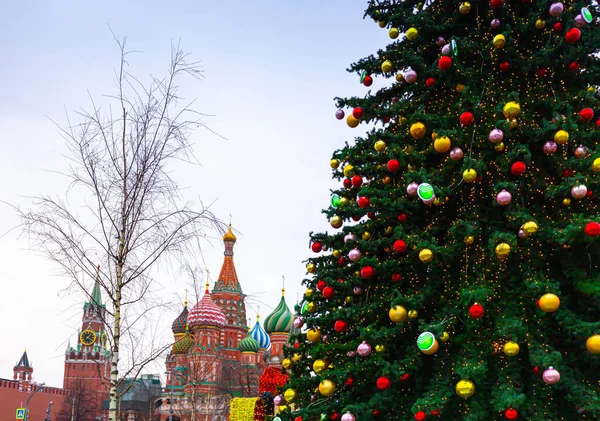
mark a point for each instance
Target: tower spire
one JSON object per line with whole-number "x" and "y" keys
{"x": 283, "y": 286}
{"x": 207, "y": 286}
{"x": 185, "y": 303}
{"x": 96, "y": 293}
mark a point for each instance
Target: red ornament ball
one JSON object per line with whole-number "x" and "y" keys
{"x": 504, "y": 66}
{"x": 368, "y": 81}
{"x": 420, "y": 416}
{"x": 586, "y": 115}
{"x": 435, "y": 412}
{"x": 334, "y": 416}
{"x": 466, "y": 118}
{"x": 375, "y": 412}
{"x": 402, "y": 218}
{"x": 589, "y": 194}
{"x": 321, "y": 285}
{"x": 568, "y": 173}
{"x": 430, "y": 82}
{"x": 383, "y": 383}
{"x": 592, "y": 229}
{"x": 445, "y": 63}
{"x": 557, "y": 27}
{"x": 405, "y": 377}
{"x": 393, "y": 165}
{"x": 358, "y": 113}
{"x": 370, "y": 215}
{"x": 347, "y": 183}
{"x": 542, "y": 71}
{"x": 386, "y": 119}
{"x": 367, "y": 272}
{"x": 363, "y": 202}
{"x": 340, "y": 326}
{"x": 341, "y": 261}
{"x": 536, "y": 371}
{"x": 357, "y": 181}
{"x": 476, "y": 311}
{"x": 496, "y": 4}
{"x": 400, "y": 246}
{"x": 298, "y": 418}
{"x": 327, "y": 292}
{"x": 317, "y": 247}
{"x": 350, "y": 382}
{"x": 573, "y": 35}
{"x": 573, "y": 66}
{"x": 518, "y": 168}
{"x": 511, "y": 414}
{"x": 396, "y": 277}
{"x": 356, "y": 218}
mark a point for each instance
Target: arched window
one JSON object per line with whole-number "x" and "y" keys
{"x": 230, "y": 343}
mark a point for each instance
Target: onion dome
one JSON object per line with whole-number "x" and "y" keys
{"x": 229, "y": 236}
{"x": 180, "y": 323}
{"x": 183, "y": 343}
{"x": 206, "y": 313}
{"x": 259, "y": 334}
{"x": 280, "y": 320}
{"x": 248, "y": 344}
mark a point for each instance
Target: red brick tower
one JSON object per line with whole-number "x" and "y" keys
{"x": 22, "y": 373}
{"x": 88, "y": 365}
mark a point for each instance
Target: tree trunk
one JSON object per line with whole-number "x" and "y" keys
{"x": 193, "y": 404}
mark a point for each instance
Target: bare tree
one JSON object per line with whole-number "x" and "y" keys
{"x": 123, "y": 208}
{"x": 80, "y": 405}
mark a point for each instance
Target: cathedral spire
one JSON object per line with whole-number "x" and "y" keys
{"x": 228, "y": 279}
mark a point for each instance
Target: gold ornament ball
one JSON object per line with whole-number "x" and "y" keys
{"x": 357, "y": 274}
{"x": 290, "y": 395}
{"x": 566, "y": 201}
{"x": 468, "y": 240}
{"x": 309, "y": 292}
{"x": 348, "y": 170}
{"x": 417, "y": 130}
{"x": 444, "y": 336}
{"x": 511, "y": 348}
{"x": 434, "y": 135}
{"x": 433, "y": 349}
{"x": 386, "y": 66}
{"x": 397, "y": 314}
{"x": 469, "y": 175}
{"x": 591, "y": 89}
{"x": 426, "y": 255}
{"x": 412, "y": 34}
{"x": 326, "y": 387}
{"x": 343, "y": 201}
{"x": 393, "y": 33}
{"x": 381, "y": 24}
{"x": 348, "y": 300}
{"x": 399, "y": 77}
{"x": 502, "y": 250}
{"x": 540, "y": 24}
{"x": 297, "y": 357}
{"x": 366, "y": 235}
{"x": 283, "y": 408}
{"x": 513, "y": 124}
{"x": 386, "y": 179}
{"x": 530, "y": 227}
{"x": 593, "y": 344}
{"x": 465, "y": 389}
{"x": 561, "y": 137}
{"x": 460, "y": 87}
{"x": 511, "y": 109}
{"x": 380, "y": 146}
{"x": 286, "y": 363}
{"x": 438, "y": 201}
{"x": 403, "y": 120}
{"x": 464, "y": 8}
{"x": 499, "y": 41}
{"x": 334, "y": 163}
{"x": 379, "y": 348}
{"x": 413, "y": 314}
{"x": 549, "y": 303}
{"x": 389, "y": 230}
{"x": 442, "y": 144}
{"x": 313, "y": 335}
{"x": 311, "y": 268}
{"x": 311, "y": 307}
{"x": 319, "y": 366}
{"x": 596, "y": 165}
{"x": 499, "y": 146}
{"x": 351, "y": 121}
{"x": 336, "y": 222}
{"x": 337, "y": 254}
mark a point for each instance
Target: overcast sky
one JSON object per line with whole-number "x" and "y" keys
{"x": 272, "y": 68}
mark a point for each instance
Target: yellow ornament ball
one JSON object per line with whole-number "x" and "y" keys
{"x": 366, "y": 235}
{"x": 499, "y": 146}
{"x": 502, "y": 250}
{"x": 397, "y": 314}
{"x": 511, "y": 109}
{"x": 319, "y": 366}
{"x": 596, "y": 165}
{"x": 549, "y": 303}
{"x": 434, "y": 135}
{"x": 297, "y": 357}
{"x": 337, "y": 254}
{"x": 465, "y": 389}
{"x": 403, "y": 120}
{"x": 326, "y": 387}
{"x": 381, "y": 24}
{"x": 469, "y": 175}
{"x": 290, "y": 395}
{"x": 412, "y": 34}
{"x": 351, "y": 121}
{"x": 311, "y": 268}
{"x": 334, "y": 163}
{"x": 313, "y": 335}
{"x": 442, "y": 144}
{"x": 433, "y": 349}
{"x": 309, "y": 292}
{"x": 399, "y": 77}
{"x": 566, "y": 201}
{"x": 386, "y": 66}
{"x": 413, "y": 314}
{"x": 343, "y": 201}
{"x": 286, "y": 363}
{"x": 513, "y": 124}
{"x": 311, "y": 307}
{"x": 426, "y": 255}
{"x": 561, "y": 137}
{"x": 379, "y": 348}
{"x": 511, "y": 348}
{"x": 348, "y": 170}
{"x": 386, "y": 179}
{"x": 591, "y": 89}
{"x": 389, "y": 230}
{"x": 540, "y": 24}
{"x": 417, "y": 130}
{"x": 380, "y": 146}
{"x": 393, "y": 33}
{"x": 593, "y": 344}
{"x": 444, "y": 336}
{"x": 438, "y": 201}
{"x": 348, "y": 299}
{"x": 464, "y": 8}
{"x": 530, "y": 227}
{"x": 460, "y": 87}
{"x": 336, "y": 222}
{"x": 468, "y": 240}
{"x": 283, "y": 408}
{"x": 499, "y": 41}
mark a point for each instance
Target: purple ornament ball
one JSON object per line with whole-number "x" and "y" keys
{"x": 348, "y": 417}
{"x": 581, "y": 152}
{"x": 410, "y": 76}
{"x": 579, "y": 192}
{"x": 446, "y": 50}
{"x": 440, "y": 41}
{"x": 354, "y": 255}
{"x": 278, "y": 400}
{"x": 495, "y": 23}
{"x": 298, "y": 322}
{"x": 556, "y": 8}
{"x": 551, "y": 375}
{"x": 503, "y": 198}
{"x": 550, "y": 147}
{"x": 412, "y": 189}
{"x": 579, "y": 21}
{"x": 456, "y": 154}
{"x": 364, "y": 349}
{"x": 339, "y": 114}
{"x": 496, "y": 136}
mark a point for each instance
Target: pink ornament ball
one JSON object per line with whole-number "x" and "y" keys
{"x": 495, "y": 23}
{"x": 364, "y": 349}
{"x": 551, "y": 376}
{"x": 410, "y": 76}
{"x": 412, "y": 189}
{"x": 348, "y": 417}
{"x": 354, "y": 255}
{"x": 581, "y": 152}
{"x": 522, "y": 234}
{"x": 348, "y": 237}
{"x": 503, "y": 198}
{"x": 298, "y": 322}
{"x": 446, "y": 50}
{"x": 278, "y": 400}
{"x": 440, "y": 41}
{"x": 456, "y": 154}
{"x": 357, "y": 290}
{"x": 550, "y": 147}
{"x": 339, "y": 114}
{"x": 430, "y": 201}
{"x": 496, "y": 136}
{"x": 579, "y": 192}
{"x": 579, "y": 21}
{"x": 556, "y": 9}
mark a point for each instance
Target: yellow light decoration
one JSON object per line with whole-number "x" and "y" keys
{"x": 549, "y": 303}
{"x": 502, "y": 250}
{"x": 311, "y": 268}
{"x": 530, "y": 227}
{"x": 379, "y": 348}
{"x": 465, "y": 389}
{"x": 319, "y": 366}
{"x": 313, "y": 335}
{"x": 442, "y": 144}
{"x": 326, "y": 387}
{"x": 464, "y": 8}
{"x": 593, "y": 344}
{"x": 468, "y": 240}
{"x": 351, "y": 121}
{"x": 348, "y": 170}
{"x": 596, "y": 165}
{"x": 460, "y": 87}
{"x": 297, "y": 357}
{"x": 334, "y": 163}
{"x": 499, "y": 41}
{"x": 561, "y": 137}
{"x": 540, "y": 24}
{"x": 469, "y": 175}
{"x": 417, "y": 130}
{"x": 426, "y": 255}
{"x": 393, "y": 33}
{"x": 309, "y": 292}
{"x": 286, "y": 363}
{"x": 397, "y": 314}
{"x": 311, "y": 307}
{"x": 336, "y": 222}
{"x": 380, "y": 146}
{"x": 290, "y": 395}
{"x": 413, "y": 314}
{"x": 433, "y": 349}
{"x": 511, "y": 348}
{"x": 444, "y": 336}
{"x": 412, "y": 34}
{"x": 511, "y": 109}
{"x": 386, "y": 66}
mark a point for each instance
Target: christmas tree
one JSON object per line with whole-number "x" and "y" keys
{"x": 460, "y": 279}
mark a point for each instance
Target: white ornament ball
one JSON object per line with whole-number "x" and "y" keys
{"x": 410, "y": 76}
{"x": 496, "y": 136}
{"x": 579, "y": 192}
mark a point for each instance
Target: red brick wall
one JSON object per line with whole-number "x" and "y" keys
{"x": 11, "y": 399}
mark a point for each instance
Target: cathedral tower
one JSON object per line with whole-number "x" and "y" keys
{"x": 278, "y": 325}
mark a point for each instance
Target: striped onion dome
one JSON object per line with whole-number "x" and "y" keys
{"x": 280, "y": 320}
{"x": 180, "y": 323}
{"x": 206, "y": 313}
{"x": 259, "y": 334}
{"x": 183, "y": 343}
{"x": 248, "y": 344}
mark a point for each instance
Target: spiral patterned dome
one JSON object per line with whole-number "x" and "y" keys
{"x": 280, "y": 320}
{"x": 180, "y": 323}
{"x": 206, "y": 313}
{"x": 248, "y": 344}
{"x": 183, "y": 343}
{"x": 262, "y": 337}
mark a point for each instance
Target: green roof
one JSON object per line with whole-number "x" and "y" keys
{"x": 96, "y": 295}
